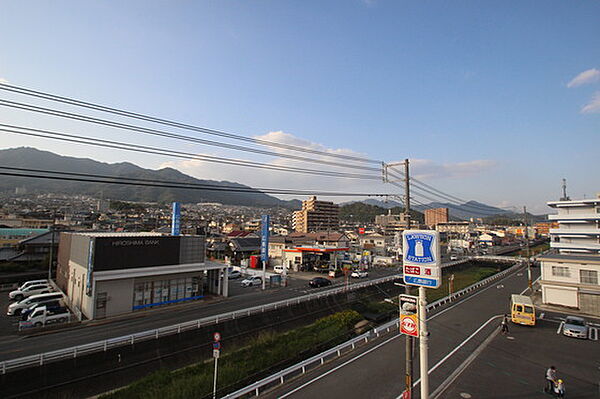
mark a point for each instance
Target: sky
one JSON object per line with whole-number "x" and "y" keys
{"x": 491, "y": 101}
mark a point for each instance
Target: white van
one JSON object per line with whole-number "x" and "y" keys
{"x": 17, "y": 307}
{"x": 278, "y": 269}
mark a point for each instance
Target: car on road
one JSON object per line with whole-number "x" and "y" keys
{"x": 251, "y": 281}
{"x": 235, "y": 274}
{"x": 575, "y": 327}
{"x": 453, "y": 257}
{"x": 28, "y": 291}
{"x": 317, "y": 282}
{"x": 278, "y": 269}
{"x": 335, "y": 273}
{"x": 359, "y": 274}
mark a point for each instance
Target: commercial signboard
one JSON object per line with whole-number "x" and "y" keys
{"x": 264, "y": 238}
{"x": 114, "y": 253}
{"x": 409, "y": 316}
{"x": 176, "y": 219}
{"x": 421, "y": 256}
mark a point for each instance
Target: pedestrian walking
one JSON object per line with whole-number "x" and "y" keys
{"x": 559, "y": 389}
{"x": 550, "y": 380}
{"x": 504, "y": 324}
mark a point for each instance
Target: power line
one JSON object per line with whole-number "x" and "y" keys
{"x": 139, "y": 116}
{"x": 162, "y": 133}
{"x": 52, "y": 135}
{"x": 95, "y": 178}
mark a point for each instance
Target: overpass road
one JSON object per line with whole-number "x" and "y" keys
{"x": 377, "y": 369}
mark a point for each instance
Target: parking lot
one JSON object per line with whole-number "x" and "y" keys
{"x": 513, "y": 365}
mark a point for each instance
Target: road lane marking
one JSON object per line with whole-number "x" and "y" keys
{"x": 389, "y": 340}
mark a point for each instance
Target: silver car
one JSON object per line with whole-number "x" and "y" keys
{"x": 575, "y": 327}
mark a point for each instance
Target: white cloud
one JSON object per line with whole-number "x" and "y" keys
{"x": 428, "y": 169}
{"x": 3, "y": 80}
{"x": 585, "y": 77}
{"x": 593, "y": 107}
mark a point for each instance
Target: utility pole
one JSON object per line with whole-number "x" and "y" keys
{"x": 50, "y": 261}
{"x": 529, "y": 283}
{"x": 409, "y": 340}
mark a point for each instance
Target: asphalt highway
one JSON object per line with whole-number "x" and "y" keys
{"x": 377, "y": 369}
{"x": 13, "y": 345}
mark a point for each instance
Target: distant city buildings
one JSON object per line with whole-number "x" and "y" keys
{"x": 436, "y": 216}
{"x": 316, "y": 216}
{"x": 570, "y": 274}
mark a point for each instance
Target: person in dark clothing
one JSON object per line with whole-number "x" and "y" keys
{"x": 504, "y": 324}
{"x": 550, "y": 380}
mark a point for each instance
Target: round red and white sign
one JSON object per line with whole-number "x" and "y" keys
{"x": 217, "y": 337}
{"x": 409, "y": 325}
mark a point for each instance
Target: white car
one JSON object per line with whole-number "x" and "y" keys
{"x": 278, "y": 269}
{"x": 234, "y": 274}
{"x": 16, "y": 308}
{"x": 250, "y": 281}
{"x": 28, "y": 291}
{"x": 359, "y": 274}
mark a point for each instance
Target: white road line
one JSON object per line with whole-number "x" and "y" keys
{"x": 391, "y": 339}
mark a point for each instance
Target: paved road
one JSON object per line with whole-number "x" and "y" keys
{"x": 13, "y": 345}
{"x": 577, "y": 363}
{"x": 378, "y": 371}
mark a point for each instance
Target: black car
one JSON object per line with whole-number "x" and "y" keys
{"x": 317, "y": 282}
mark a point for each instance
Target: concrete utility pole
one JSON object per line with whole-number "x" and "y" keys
{"x": 529, "y": 283}
{"x": 409, "y": 340}
{"x": 423, "y": 344}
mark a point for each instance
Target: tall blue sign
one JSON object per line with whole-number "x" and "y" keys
{"x": 421, "y": 260}
{"x": 176, "y": 219}
{"x": 264, "y": 238}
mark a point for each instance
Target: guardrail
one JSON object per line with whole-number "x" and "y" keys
{"x": 317, "y": 360}
{"x": 99, "y": 346}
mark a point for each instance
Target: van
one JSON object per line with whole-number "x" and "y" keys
{"x": 522, "y": 310}
{"x": 278, "y": 269}
{"x": 17, "y": 307}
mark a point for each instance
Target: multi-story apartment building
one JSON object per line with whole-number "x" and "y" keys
{"x": 435, "y": 216}
{"x": 316, "y": 216}
{"x": 570, "y": 273}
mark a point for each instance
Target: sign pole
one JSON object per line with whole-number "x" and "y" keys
{"x": 215, "y": 381}
{"x": 423, "y": 345}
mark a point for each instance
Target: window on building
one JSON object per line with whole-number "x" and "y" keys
{"x": 588, "y": 276}
{"x": 561, "y": 271}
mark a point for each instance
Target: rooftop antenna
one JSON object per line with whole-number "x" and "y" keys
{"x": 565, "y": 197}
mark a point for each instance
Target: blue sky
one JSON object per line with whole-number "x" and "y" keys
{"x": 481, "y": 95}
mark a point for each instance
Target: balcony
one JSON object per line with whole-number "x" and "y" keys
{"x": 575, "y": 218}
{"x": 575, "y": 232}
{"x": 591, "y": 246}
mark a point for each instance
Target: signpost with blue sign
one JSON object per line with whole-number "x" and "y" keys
{"x": 264, "y": 246}
{"x": 422, "y": 266}
{"x": 176, "y": 219}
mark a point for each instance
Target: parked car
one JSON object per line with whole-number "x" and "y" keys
{"x": 252, "y": 280}
{"x": 42, "y": 316}
{"x": 575, "y": 327}
{"x": 453, "y": 257}
{"x": 359, "y": 274}
{"x": 317, "y": 282}
{"x": 235, "y": 274}
{"x": 16, "y": 308}
{"x": 31, "y": 282}
{"x": 49, "y": 304}
{"x": 32, "y": 289}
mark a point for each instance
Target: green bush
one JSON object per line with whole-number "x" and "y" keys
{"x": 267, "y": 351}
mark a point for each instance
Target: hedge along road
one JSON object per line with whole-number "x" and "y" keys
{"x": 377, "y": 370}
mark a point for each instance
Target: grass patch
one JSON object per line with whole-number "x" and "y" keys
{"x": 236, "y": 368}
{"x": 462, "y": 279}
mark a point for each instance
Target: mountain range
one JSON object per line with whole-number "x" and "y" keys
{"x": 31, "y": 158}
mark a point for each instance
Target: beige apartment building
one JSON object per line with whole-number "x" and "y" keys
{"x": 316, "y": 216}
{"x": 435, "y": 216}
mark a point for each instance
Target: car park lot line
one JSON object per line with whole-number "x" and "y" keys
{"x": 390, "y": 340}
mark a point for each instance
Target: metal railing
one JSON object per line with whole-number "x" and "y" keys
{"x": 317, "y": 360}
{"x": 104, "y": 345}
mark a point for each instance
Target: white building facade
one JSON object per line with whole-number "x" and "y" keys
{"x": 570, "y": 275}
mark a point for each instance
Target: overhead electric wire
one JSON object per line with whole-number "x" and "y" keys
{"x": 173, "y": 153}
{"x": 96, "y": 178}
{"x": 135, "y": 115}
{"x": 162, "y": 133}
